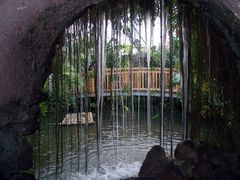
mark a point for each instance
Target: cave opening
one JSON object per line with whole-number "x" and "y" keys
{"x": 127, "y": 75}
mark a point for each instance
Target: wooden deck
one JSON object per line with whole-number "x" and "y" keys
{"x": 77, "y": 118}
{"x": 119, "y": 82}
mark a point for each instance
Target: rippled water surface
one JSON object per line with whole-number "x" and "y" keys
{"x": 123, "y": 148}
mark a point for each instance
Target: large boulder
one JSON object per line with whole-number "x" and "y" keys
{"x": 202, "y": 161}
{"x": 152, "y": 161}
{"x": 19, "y": 176}
{"x": 156, "y": 165}
{"x": 15, "y": 152}
{"x": 185, "y": 151}
{"x": 141, "y": 178}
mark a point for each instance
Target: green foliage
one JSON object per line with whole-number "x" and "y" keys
{"x": 47, "y": 107}
{"x": 44, "y": 109}
{"x": 155, "y": 57}
{"x": 93, "y": 105}
{"x": 156, "y": 116}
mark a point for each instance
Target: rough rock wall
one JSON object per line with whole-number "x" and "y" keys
{"x": 224, "y": 32}
{"x": 28, "y": 32}
{"x": 226, "y": 16}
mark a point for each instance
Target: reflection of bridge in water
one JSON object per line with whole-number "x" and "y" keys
{"x": 119, "y": 81}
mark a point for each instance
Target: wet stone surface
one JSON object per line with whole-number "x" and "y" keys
{"x": 15, "y": 152}
{"x": 192, "y": 161}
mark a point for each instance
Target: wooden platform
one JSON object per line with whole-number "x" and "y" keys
{"x": 119, "y": 81}
{"x": 77, "y": 118}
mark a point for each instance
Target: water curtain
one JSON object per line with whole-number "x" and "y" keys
{"x": 109, "y": 55}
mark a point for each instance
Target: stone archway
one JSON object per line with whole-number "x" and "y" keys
{"x": 29, "y": 30}
{"x": 28, "y": 34}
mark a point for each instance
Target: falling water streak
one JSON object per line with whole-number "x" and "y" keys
{"x": 77, "y": 95}
{"x": 163, "y": 63}
{"x": 185, "y": 70}
{"x": 190, "y": 76}
{"x": 171, "y": 75}
{"x": 65, "y": 64}
{"x": 75, "y": 83}
{"x": 180, "y": 25}
{"x": 56, "y": 91}
{"x": 152, "y": 26}
{"x": 71, "y": 90}
{"x": 48, "y": 144}
{"x": 89, "y": 54}
{"x": 64, "y": 89}
{"x": 101, "y": 68}
{"x": 139, "y": 75}
{"x": 120, "y": 84}
{"x": 116, "y": 110}
{"x": 115, "y": 91}
{"x": 39, "y": 152}
{"x": 98, "y": 88}
{"x": 69, "y": 104}
{"x": 111, "y": 93}
{"x": 131, "y": 62}
{"x": 148, "y": 39}
{"x": 86, "y": 90}
{"x": 209, "y": 63}
{"x": 81, "y": 77}
{"x": 113, "y": 88}
{"x": 61, "y": 44}
{"x": 100, "y": 84}
{"x": 168, "y": 122}
{"x": 103, "y": 60}
{"x": 125, "y": 13}
{"x": 118, "y": 37}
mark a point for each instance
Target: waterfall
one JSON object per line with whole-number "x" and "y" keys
{"x": 109, "y": 70}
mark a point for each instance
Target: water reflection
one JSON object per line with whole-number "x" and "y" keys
{"x": 59, "y": 153}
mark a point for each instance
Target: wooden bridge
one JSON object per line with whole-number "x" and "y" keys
{"x": 119, "y": 81}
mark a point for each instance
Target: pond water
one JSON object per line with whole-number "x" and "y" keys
{"x": 59, "y": 153}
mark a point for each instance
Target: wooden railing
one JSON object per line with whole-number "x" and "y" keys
{"x": 120, "y": 79}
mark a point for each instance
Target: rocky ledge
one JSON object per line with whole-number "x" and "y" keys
{"x": 192, "y": 161}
